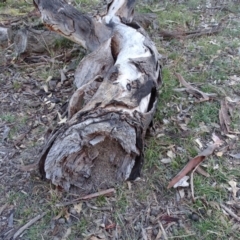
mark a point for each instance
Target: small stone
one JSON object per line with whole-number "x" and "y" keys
{"x": 73, "y": 211}
{"x": 61, "y": 221}
{"x": 202, "y": 211}
{"x": 154, "y": 212}
{"x": 137, "y": 226}
{"x": 194, "y": 217}
{"x": 102, "y": 225}
{"x": 155, "y": 232}
{"x": 52, "y": 84}
{"x": 152, "y": 219}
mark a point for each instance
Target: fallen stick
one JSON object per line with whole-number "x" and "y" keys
{"x": 30, "y": 223}
{"x": 3, "y": 208}
{"x": 89, "y": 196}
{"x": 163, "y": 231}
{"x": 102, "y": 142}
{"x": 183, "y": 236}
{"x": 196, "y": 161}
{"x": 166, "y": 35}
{"x": 230, "y": 212}
{"x": 190, "y": 89}
{"x": 29, "y": 167}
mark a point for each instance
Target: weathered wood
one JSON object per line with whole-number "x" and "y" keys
{"x": 117, "y": 88}
{"x": 27, "y": 40}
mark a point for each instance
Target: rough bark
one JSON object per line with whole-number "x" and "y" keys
{"x": 26, "y": 41}
{"x": 117, "y": 88}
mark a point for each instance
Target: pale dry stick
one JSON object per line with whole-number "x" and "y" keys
{"x": 218, "y": 234}
{"x": 163, "y": 231}
{"x": 191, "y": 182}
{"x": 158, "y": 235}
{"x": 30, "y": 167}
{"x": 182, "y": 236}
{"x": 99, "y": 208}
{"x": 3, "y": 208}
{"x": 230, "y": 212}
{"x": 66, "y": 235}
{"x": 93, "y": 195}
{"x": 144, "y": 234}
{"x": 31, "y": 222}
{"x": 192, "y": 90}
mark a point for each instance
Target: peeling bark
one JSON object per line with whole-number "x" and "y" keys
{"x": 117, "y": 88}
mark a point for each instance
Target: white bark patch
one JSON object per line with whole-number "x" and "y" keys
{"x": 115, "y": 6}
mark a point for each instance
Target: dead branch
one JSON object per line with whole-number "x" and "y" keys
{"x": 230, "y": 212}
{"x": 197, "y": 93}
{"x": 167, "y": 35}
{"x": 27, "y": 225}
{"x": 108, "y": 115}
{"x": 107, "y": 192}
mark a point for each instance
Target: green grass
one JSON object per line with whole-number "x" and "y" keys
{"x": 212, "y": 62}
{"x": 207, "y": 66}
{"x": 85, "y": 5}
{"x": 203, "y": 188}
{"x": 81, "y": 226}
{"x": 37, "y": 230}
{"x": 15, "y": 8}
{"x": 16, "y": 85}
{"x": 101, "y": 201}
{"x": 8, "y": 117}
{"x": 166, "y": 94}
{"x": 122, "y": 201}
{"x": 61, "y": 43}
{"x": 17, "y": 123}
{"x": 206, "y": 113}
{"x": 152, "y": 153}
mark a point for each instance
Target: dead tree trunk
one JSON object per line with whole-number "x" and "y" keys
{"x": 117, "y": 87}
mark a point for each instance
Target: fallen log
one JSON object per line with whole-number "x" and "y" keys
{"x": 102, "y": 142}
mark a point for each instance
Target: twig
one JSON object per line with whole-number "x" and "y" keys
{"x": 93, "y": 195}
{"x": 163, "y": 231}
{"x": 195, "y": 161}
{"x": 194, "y": 91}
{"x": 183, "y": 236}
{"x": 29, "y": 167}
{"x": 230, "y": 212}
{"x": 31, "y": 222}
{"x": 31, "y": 65}
{"x": 144, "y": 234}
{"x": 99, "y": 208}
{"x": 190, "y": 34}
{"x": 221, "y": 8}
{"x": 191, "y": 181}
{"x": 219, "y": 234}
{"x": 225, "y": 118}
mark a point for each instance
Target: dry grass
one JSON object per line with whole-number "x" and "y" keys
{"x": 143, "y": 209}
